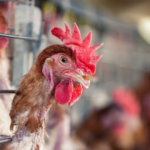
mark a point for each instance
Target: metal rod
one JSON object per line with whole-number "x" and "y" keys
{"x": 8, "y": 91}
{"x": 10, "y": 29}
{"x": 5, "y": 140}
{"x": 18, "y": 37}
{"x": 9, "y": 16}
{"x": 7, "y": 0}
{"x": 14, "y": 1}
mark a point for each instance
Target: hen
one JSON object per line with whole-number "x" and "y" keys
{"x": 132, "y": 135}
{"x": 117, "y": 126}
{"x": 5, "y": 99}
{"x": 59, "y": 75}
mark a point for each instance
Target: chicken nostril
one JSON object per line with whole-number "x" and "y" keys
{"x": 86, "y": 77}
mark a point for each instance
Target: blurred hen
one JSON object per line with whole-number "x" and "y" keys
{"x": 5, "y": 99}
{"x": 117, "y": 126}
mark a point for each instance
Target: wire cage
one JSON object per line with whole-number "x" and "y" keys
{"x": 24, "y": 28}
{"x": 30, "y": 39}
{"x": 121, "y": 43}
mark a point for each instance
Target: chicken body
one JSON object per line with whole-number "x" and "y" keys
{"x": 29, "y": 109}
{"x": 5, "y": 99}
{"x": 33, "y": 100}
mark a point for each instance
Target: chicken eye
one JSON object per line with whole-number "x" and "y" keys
{"x": 63, "y": 59}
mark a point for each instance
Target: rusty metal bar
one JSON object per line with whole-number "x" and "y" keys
{"x": 18, "y": 1}
{"x": 8, "y": 91}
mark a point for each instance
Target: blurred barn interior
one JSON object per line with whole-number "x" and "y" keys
{"x": 122, "y": 25}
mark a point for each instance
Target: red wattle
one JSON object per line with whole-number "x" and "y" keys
{"x": 63, "y": 92}
{"x": 76, "y": 94}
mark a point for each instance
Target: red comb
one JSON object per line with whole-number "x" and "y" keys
{"x": 86, "y": 58}
{"x": 3, "y": 28}
{"x": 126, "y": 99}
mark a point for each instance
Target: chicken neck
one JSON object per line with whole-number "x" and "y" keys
{"x": 29, "y": 108}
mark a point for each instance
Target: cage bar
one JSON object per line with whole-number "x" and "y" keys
{"x": 8, "y": 91}
{"x": 5, "y": 140}
{"x": 18, "y": 37}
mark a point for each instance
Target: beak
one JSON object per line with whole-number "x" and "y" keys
{"x": 83, "y": 79}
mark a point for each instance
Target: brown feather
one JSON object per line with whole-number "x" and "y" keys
{"x": 5, "y": 147}
{"x": 37, "y": 148}
{"x": 32, "y": 123}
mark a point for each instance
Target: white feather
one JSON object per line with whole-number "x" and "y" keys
{"x": 4, "y": 120}
{"x": 5, "y": 99}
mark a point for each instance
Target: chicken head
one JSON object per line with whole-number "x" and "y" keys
{"x": 68, "y": 71}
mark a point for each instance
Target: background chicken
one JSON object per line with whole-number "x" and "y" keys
{"x": 60, "y": 72}
{"x": 4, "y": 9}
{"x": 134, "y": 135}
{"x": 117, "y": 126}
{"x": 5, "y": 99}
